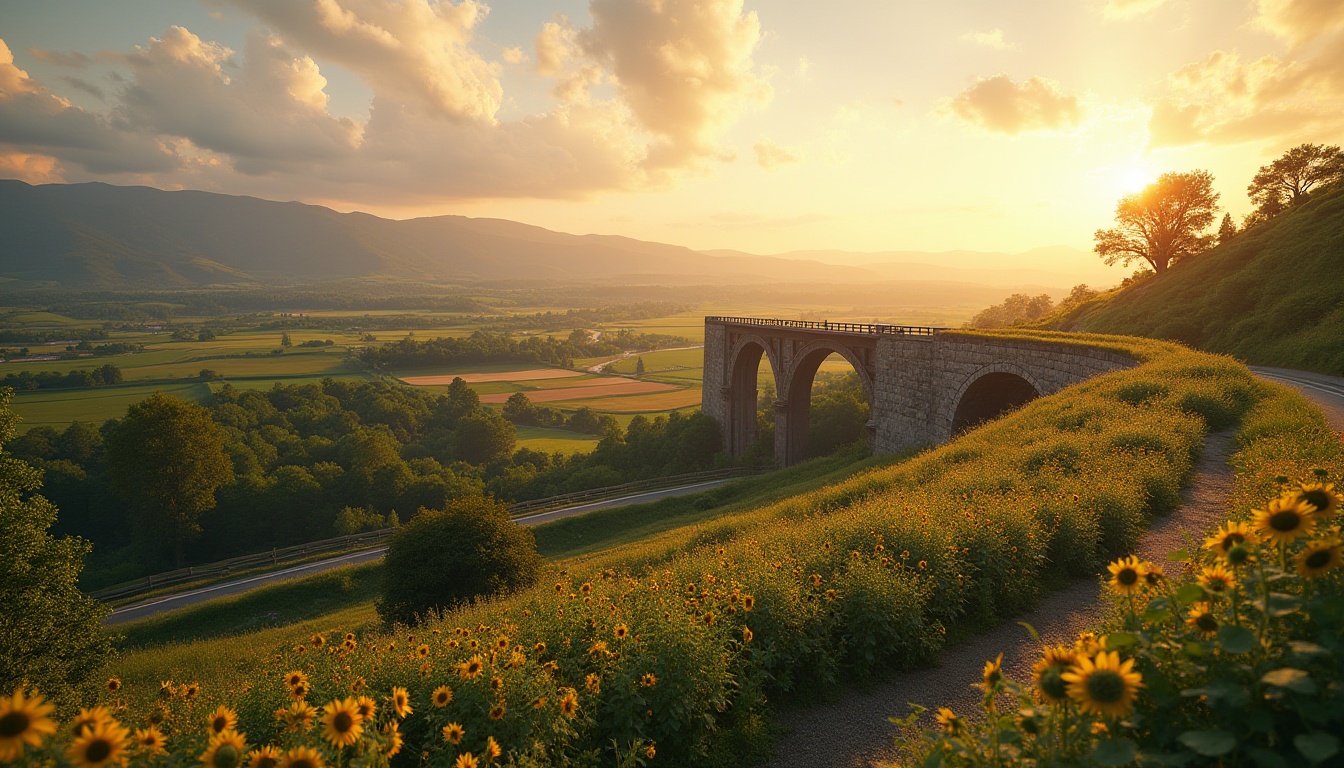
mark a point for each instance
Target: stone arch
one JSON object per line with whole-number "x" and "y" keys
{"x": 740, "y": 389}
{"x": 795, "y": 397}
{"x": 988, "y": 393}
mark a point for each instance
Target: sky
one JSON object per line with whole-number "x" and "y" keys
{"x": 865, "y": 125}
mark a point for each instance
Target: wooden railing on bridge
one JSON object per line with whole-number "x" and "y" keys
{"x": 826, "y": 325}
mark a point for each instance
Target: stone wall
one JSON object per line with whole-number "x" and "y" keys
{"x": 713, "y": 400}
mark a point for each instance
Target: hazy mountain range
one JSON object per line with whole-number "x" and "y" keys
{"x": 98, "y": 236}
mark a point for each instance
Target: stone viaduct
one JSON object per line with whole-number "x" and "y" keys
{"x": 924, "y": 385}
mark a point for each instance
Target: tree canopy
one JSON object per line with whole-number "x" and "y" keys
{"x": 1162, "y": 224}
{"x": 1287, "y": 181}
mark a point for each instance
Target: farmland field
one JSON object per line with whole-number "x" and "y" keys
{"x": 58, "y": 407}
{"x": 593, "y": 389}
{"x": 555, "y": 440}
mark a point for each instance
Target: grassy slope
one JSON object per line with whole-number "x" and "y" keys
{"x": 1272, "y": 296}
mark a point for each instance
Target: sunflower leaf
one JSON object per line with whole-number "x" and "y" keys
{"x": 1114, "y": 752}
{"x": 1234, "y": 639}
{"x": 1179, "y": 556}
{"x": 1118, "y": 641}
{"x": 1031, "y": 631}
{"x": 1291, "y": 679}
{"x": 1316, "y": 747}
{"x": 1191, "y": 593}
{"x": 1209, "y": 743}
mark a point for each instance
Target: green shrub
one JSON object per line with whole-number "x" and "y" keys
{"x": 441, "y": 560}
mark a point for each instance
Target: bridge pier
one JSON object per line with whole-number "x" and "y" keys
{"x": 923, "y": 384}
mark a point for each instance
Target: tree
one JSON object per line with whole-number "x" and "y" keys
{"x": 1286, "y": 181}
{"x": 519, "y": 409}
{"x": 639, "y": 366}
{"x": 1016, "y": 309}
{"x": 440, "y": 560}
{"x": 167, "y": 459}
{"x": 1227, "y": 230}
{"x": 51, "y": 634}
{"x": 285, "y": 341}
{"x": 1162, "y": 224}
{"x": 205, "y": 334}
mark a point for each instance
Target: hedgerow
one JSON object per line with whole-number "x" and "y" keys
{"x": 669, "y": 653}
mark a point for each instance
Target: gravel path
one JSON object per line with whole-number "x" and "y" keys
{"x": 854, "y": 730}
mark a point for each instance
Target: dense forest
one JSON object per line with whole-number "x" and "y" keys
{"x": 305, "y": 462}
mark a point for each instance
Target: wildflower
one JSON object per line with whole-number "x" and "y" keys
{"x": 466, "y": 760}
{"x": 23, "y": 720}
{"x": 1230, "y": 535}
{"x": 302, "y": 757}
{"x": 1104, "y": 685}
{"x": 1285, "y": 520}
{"x": 265, "y": 757}
{"x": 1216, "y": 579}
{"x": 497, "y": 711}
{"x": 453, "y": 733}
{"x": 151, "y": 741}
{"x": 222, "y": 719}
{"x": 948, "y": 721}
{"x": 1127, "y": 575}
{"x": 1049, "y": 671}
{"x": 492, "y": 748}
{"x": 342, "y": 722}
{"x": 993, "y": 674}
{"x": 226, "y": 750}
{"x": 1319, "y": 557}
{"x": 100, "y": 745}
{"x": 441, "y": 696}
{"x": 113, "y": 684}
{"x": 471, "y": 668}
{"x": 1323, "y": 497}
{"x": 1201, "y": 618}
{"x": 569, "y": 704}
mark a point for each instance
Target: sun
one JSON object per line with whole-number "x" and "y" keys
{"x": 1131, "y": 179}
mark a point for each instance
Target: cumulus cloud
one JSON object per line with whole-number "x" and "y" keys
{"x": 1128, "y": 9}
{"x": 999, "y": 105}
{"x": 770, "y": 155}
{"x": 992, "y": 39}
{"x": 1299, "y": 21}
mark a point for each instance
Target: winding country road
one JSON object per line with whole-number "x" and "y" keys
{"x": 1325, "y": 391}
{"x": 163, "y": 603}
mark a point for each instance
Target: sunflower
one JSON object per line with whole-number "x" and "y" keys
{"x": 302, "y": 757}
{"x": 539, "y": 648}
{"x": 497, "y": 711}
{"x": 569, "y": 704}
{"x": 394, "y": 741}
{"x": 357, "y": 684}
{"x": 948, "y": 721}
{"x": 492, "y": 748}
{"x": 1217, "y": 579}
{"x": 150, "y": 741}
{"x": 191, "y": 691}
{"x": 1319, "y": 557}
{"x": 648, "y": 680}
{"x": 746, "y": 634}
{"x": 100, "y": 745}
{"x": 1104, "y": 685}
{"x": 1323, "y": 497}
{"x": 748, "y": 602}
{"x": 453, "y": 733}
{"x": 501, "y": 642}
{"x": 1285, "y": 520}
{"x": 471, "y": 668}
{"x": 466, "y": 760}
{"x": 1229, "y": 536}
{"x": 1201, "y": 618}
{"x": 367, "y": 707}
{"x": 265, "y": 757}
{"x": 296, "y": 679}
{"x": 651, "y": 751}
{"x": 298, "y": 716}
{"x": 1049, "y": 670}
{"x": 89, "y": 718}
{"x": 113, "y": 684}
{"x": 993, "y": 674}
{"x": 401, "y": 701}
{"x": 621, "y": 631}
{"x": 1154, "y": 576}
{"x": 222, "y": 719}
{"x": 422, "y": 651}
{"x": 317, "y": 640}
{"x": 1127, "y": 575}
{"x": 166, "y": 689}
{"x": 441, "y": 696}
{"x": 23, "y": 720}
{"x": 226, "y": 750}
{"x": 593, "y": 683}
{"x": 342, "y": 722}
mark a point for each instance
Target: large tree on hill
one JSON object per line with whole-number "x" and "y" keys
{"x": 1286, "y": 181}
{"x": 51, "y": 634}
{"x": 1162, "y": 224}
{"x": 167, "y": 459}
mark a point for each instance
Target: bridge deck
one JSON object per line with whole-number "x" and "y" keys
{"x": 867, "y": 329}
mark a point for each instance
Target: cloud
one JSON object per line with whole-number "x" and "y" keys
{"x": 83, "y": 85}
{"x": 992, "y": 39}
{"x": 71, "y": 60}
{"x": 770, "y": 155}
{"x": 34, "y": 169}
{"x": 1299, "y": 21}
{"x": 513, "y": 55}
{"x": 1128, "y": 9}
{"x": 999, "y": 105}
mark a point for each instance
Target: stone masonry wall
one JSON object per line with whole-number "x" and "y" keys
{"x": 712, "y": 401}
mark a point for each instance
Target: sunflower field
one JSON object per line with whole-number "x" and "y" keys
{"x": 671, "y": 653}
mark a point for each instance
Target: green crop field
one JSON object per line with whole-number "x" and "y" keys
{"x": 555, "y": 440}
{"x": 58, "y": 407}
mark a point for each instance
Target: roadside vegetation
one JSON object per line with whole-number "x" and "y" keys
{"x": 673, "y": 648}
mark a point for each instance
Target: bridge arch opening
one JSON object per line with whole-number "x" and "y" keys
{"x": 991, "y": 396}
{"x": 843, "y": 411}
{"x": 743, "y": 409}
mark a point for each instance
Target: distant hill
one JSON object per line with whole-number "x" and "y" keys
{"x": 97, "y": 236}
{"x": 1273, "y": 295}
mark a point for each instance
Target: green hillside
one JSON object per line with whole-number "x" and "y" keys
{"x": 1273, "y": 295}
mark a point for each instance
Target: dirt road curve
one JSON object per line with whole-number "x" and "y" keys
{"x": 156, "y": 605}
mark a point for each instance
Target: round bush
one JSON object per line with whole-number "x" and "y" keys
{"x": 442, "y": 559}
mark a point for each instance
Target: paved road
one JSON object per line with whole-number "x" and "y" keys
{"x": 157, "y": 605}
{"x": 1326, "y": 391}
